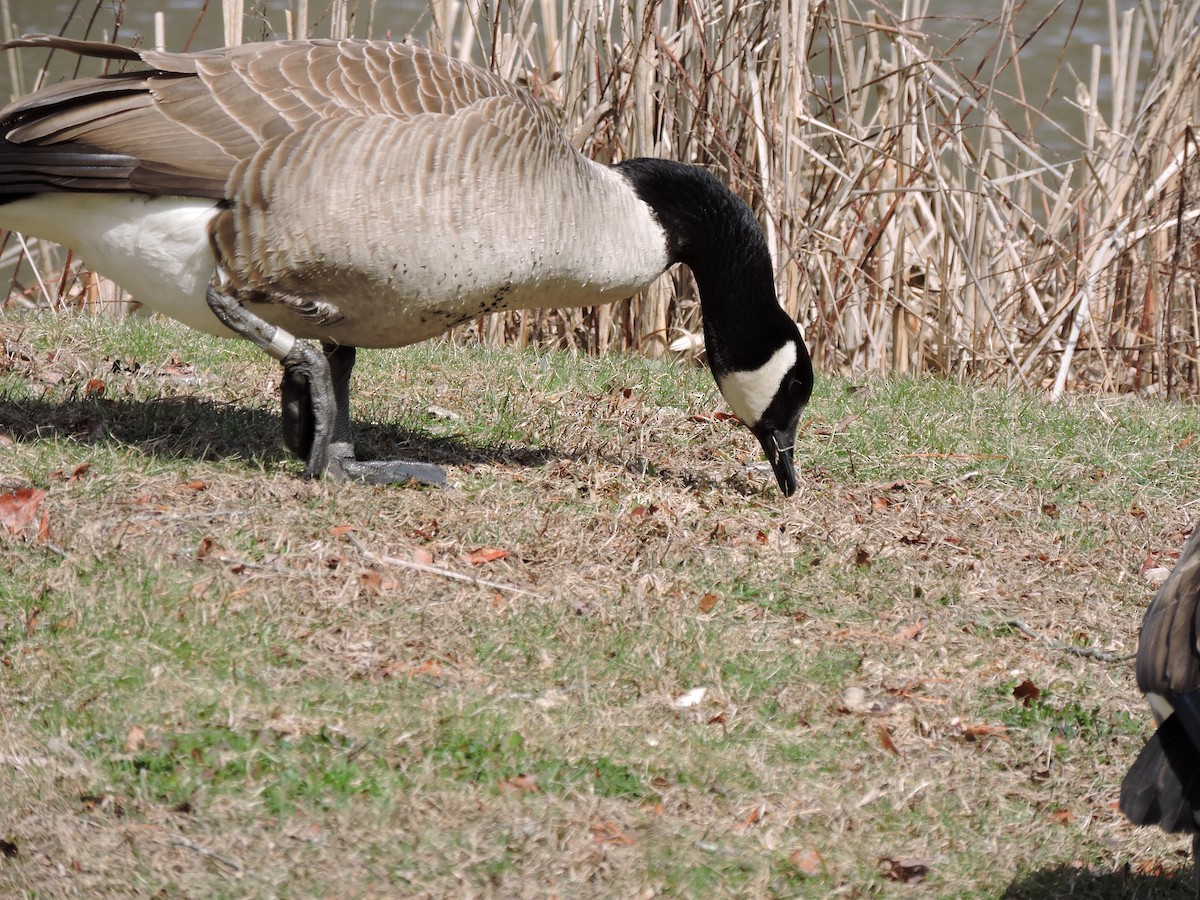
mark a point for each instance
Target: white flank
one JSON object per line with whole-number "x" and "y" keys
{"x": 749, "y": 393}
{"x": 1161, "y": 708}
{"x": 156, "y": 248}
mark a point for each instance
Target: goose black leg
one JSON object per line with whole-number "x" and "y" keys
{"x": 341, "y": 451}
{"x": 313, "y": 425}
{"x": 316, "y": 401}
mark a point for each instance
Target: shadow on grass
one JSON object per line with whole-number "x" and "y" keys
{"x": 189, "y": 428}
{"x": 1067, "y": 881}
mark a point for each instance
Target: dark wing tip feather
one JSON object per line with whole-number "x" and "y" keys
{"x": 62, "y": 167}
{"x": 1163, "y": 785}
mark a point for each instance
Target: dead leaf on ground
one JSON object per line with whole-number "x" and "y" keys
{"x": 707, "y": 602}
{"x": 522, "y": 784}
{"x": 429, "y": 532}
{"x": 609, "y": 832}
{"x": 911, "y": 631}
{"x": 77, "y": 473}
{"x": 8, "y": 849}
{"x": 752, "y": 816}
{"x": 339, "y": 530}
{"x": 1026, "y": 692}
{"x": 972, "y": 732}
{"x": 905, "y": 869}
{"x": 422, "y": 556}
{"x": 807, "y": 862}
{"x": 370, "y": 581}
{"x": 135, "y": 740}
{"x": 885, "y": 740}
{"x": 196, "y": 485}
{"x": 20, "y": 508}
{"x": 481, "y": 555}
{"x": 207, "y": 545}
{"x": 641, "y": 511}
{"x": 1061, "y": 816}
{"x": 430, "y": 667}
{"x": 844, "y": 423}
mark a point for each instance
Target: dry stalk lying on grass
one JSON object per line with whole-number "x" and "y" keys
{"x": 918, "y": 223}
{"x": 1089, "y": 652}
{"x": 439, "y": 571}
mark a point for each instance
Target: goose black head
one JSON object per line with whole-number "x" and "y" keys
{"x": 754, "y": 349}
{"x": 769, "y": 400}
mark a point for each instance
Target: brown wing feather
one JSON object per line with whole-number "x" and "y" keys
{"x": 96, "y": 49}
{"x": 193, "y": 120}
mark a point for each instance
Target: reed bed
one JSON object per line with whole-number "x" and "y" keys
{"x": 919, "y": 223}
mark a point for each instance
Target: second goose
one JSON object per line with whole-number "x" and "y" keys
{"x": 373, "y": 194}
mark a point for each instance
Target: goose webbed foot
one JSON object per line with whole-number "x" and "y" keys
{"x": 316, "y": 387}
{"x": 344, "y": 467}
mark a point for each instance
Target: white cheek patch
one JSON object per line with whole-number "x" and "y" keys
{"x": 1159, "y": 705}
{"x": 749, "y": 393}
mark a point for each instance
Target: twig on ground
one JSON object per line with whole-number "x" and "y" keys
{"x": 438, "y": 570}
{"x": 1089, "y": 652}
{"x": 232, "y": 865}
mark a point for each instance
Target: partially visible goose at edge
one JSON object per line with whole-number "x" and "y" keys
{"x": 373, "y": 194}
{"x": 1163, "y": 786}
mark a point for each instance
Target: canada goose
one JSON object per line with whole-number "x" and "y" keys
{"x": 1163, "y": 786}
{"x": 373, "y": 194}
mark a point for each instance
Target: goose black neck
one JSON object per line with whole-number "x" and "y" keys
{"x": 711, "y": 231}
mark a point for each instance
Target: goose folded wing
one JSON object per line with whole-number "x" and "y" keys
{"x": 188, "y": 121}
